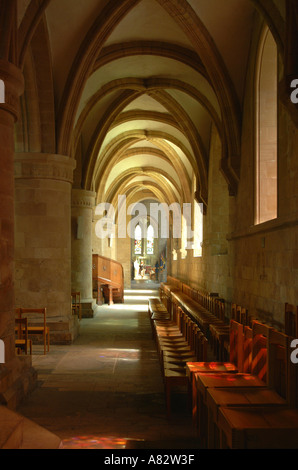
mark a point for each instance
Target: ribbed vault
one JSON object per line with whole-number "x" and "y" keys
{"x": 136, "y": 88}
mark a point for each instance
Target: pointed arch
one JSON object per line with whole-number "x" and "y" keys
{"x": 82, "y": 66}
{"x": 198, "y": 34}
{"x": 266, "y": 177}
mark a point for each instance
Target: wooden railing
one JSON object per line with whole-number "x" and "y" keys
{"x": 108, "y": 280}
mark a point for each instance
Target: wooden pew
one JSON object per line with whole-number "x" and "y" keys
{"x": 202, "y": 307}
{"x": 108, "y": 280}
{"x": 202, "y": 311}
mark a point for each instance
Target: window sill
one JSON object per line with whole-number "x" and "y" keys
{"x": 265, "y": 227}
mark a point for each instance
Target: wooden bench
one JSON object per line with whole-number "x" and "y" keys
{"x": 165, "y": 290}
{"x": 201, "y": 306}
{"x": 37, "y": 329}
{"x": 203, "y": 312}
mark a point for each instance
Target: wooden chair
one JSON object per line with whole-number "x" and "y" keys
{"x": 34, "y": 329}
{"x": 157, "y": 312}
{"x": 235, "y": 364}
{"x": 76, "y": 304}
{"x": 274, "y": 423}
{"x": 220, "y": 331}
{"x": 291, "y": 320}
{"x": 279, "y": 391}
{"x": 258, "y": 427}
{"x": 175, "y": 374}
{"x": 178, "y": 341}
{"x": 282, "y": 374}
{"x": 179, "y": 345}
{"x": 193, "y": 350}
{"x": 204, "y": 381}
{"x": 22, "y": 341}
{"x": 239, "y": 314}
{"x": 247, "y": 350}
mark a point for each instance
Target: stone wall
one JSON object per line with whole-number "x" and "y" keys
{"x": 211, "y": 271}
{"x": 255, "y": 266}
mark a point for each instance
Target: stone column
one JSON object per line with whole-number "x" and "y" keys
{"x": 16, "y": 374}
{"x": 83, "y": 203}
{"x": 43, "y": 239}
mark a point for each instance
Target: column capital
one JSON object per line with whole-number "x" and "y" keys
{"x": 14, "y": 85}
{"x": 44, "y": 166}
{"x": 81, "y": 198}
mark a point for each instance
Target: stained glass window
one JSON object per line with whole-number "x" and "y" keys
{"x": 150, "y": 240}
{"x": 138, "y": 240}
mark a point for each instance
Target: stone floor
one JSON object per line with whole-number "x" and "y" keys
{"x": 106, "y": 390}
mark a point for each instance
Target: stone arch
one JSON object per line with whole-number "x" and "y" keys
{"x": 37, "y": 124}
{"x": 197, "y": 33}
{"x": 107, "y": 21}
{"x": 123, "y": 142}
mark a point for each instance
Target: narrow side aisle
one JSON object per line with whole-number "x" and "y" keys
{"x": 108, "y": 384}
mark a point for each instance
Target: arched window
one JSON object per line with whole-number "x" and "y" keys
{"x": 198, "y": 225}
{"x": 266, "y": 131}
{"x": 138, "y": 240}
{"x": 150, "y": 240}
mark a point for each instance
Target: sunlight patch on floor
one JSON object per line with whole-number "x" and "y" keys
{"x": 95, "y": 442}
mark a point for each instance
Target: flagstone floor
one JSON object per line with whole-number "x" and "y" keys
{"x": 106, "y": 389}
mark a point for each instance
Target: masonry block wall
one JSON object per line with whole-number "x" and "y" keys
{"x": 255, "y": 266}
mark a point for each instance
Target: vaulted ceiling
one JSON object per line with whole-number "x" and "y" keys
{"x": 132, "y": 89}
